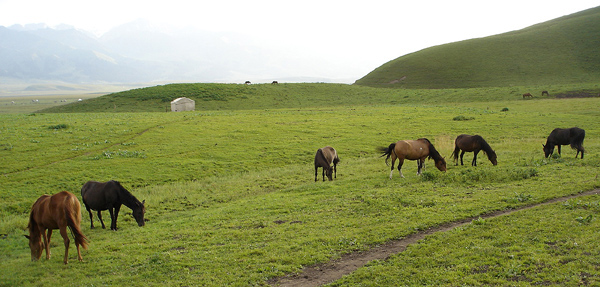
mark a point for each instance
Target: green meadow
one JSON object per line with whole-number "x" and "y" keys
{"x": 231, "y": 198}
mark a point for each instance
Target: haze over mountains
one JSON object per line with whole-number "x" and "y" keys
{"x": 141, "y": 52}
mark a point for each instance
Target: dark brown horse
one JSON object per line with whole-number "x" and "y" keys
{"x": 58, "y": 211}
{"x": 545, "y": 93}
{"x": 417, "y": 150}
{"x": 475, "y": 144}
{"x": 527, "y": 95}
{"x": 324, "y": 158}
{"x": 573, "y": 136}
{"x": 110, "y": 195}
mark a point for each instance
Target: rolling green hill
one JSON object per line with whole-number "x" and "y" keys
{"x": 560, "y": 51}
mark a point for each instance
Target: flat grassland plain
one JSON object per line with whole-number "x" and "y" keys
{"x": 231, "y": 198}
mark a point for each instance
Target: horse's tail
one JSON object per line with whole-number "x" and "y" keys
{"x": 577, "y": 141}
{"x": 454, "y": 154}
{"x": 73, "y": 214}
{"x": 387, "y": 151}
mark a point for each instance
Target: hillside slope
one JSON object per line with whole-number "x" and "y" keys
{"x": 560, "y": 51}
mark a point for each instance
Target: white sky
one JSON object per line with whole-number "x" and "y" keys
{"x": 363, "y": 33}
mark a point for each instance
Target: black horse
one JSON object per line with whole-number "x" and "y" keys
{"x": 111, "y": 195}
{"x": 474, "y": 144}
{"x": 573, "y": 136}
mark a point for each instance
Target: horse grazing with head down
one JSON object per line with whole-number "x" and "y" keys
{"x": 417, "y": 150}
{"x": 573, "y": 136}
{"x": 324, "y": 158}
{"x": 58, "y": 211}
{"x": 475, "y": 144}
{"x": 111, "y": 195}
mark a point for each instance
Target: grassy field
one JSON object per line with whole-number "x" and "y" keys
{"x": 232, "y": 201}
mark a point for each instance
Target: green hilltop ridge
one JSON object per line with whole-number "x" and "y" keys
{"x": 560, "y": 51}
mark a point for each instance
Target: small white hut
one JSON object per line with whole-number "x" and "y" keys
{"x": 183, "y": 104}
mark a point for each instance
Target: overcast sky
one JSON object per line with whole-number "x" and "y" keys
{"x": 363, "y": 33}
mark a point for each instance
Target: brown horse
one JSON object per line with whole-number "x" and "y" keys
{"x": 545, "y": 93}
{"x": 417, "y": 150}
{"x": 324, "y": 158}
{"x": 111, "y": 195}
{"x": 55, "y": 212}
{"x": 527, "y": 95}
{"x": 474, "y": 144}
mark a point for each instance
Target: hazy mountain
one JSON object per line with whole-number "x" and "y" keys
{"x": 139, "y": 52}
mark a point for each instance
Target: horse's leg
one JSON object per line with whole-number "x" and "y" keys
{"x": 112, "y": 219}
{"x": 117, "y": 208}
{"x": 100, "y": 217}
{"x": 91, "y": 216}
{"x": 316, "y": 169}
{"x": 65, "y": 236}
{"x": 462, "y": 153}
{"x": 392, "y": 170}
{"x": 334, "y": 170}
{"x": 323, "y": 173}
{"x": 46, "y": 240}
{"x": 581, "y": 154}
{"x": 400, "y": 163}
{"x": 474, "y": 162}
{"x": 559, "y": 149}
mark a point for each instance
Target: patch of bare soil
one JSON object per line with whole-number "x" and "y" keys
{"x": 580, "y": 94}
{"x": 324, "y": 273}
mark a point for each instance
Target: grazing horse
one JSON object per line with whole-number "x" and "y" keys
{"x": 527, "y": 95}
{"x": 274, "y": 83}
{"x": 475, "y": 144}
{"x": 545, "y": 93}
{"x": 324, "y": 158}
{"x": 58, "y": 211}
{"x": 247, "y": 83}
{"x": 111, "y": 195}
{"x": 417, "y": 150}
{"x": 573, "y": 136}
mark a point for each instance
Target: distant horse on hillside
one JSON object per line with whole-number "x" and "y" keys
{"x": 527, "y": 95}
{"x": 324, "y": 158}
{"x": 111, "y": 195}
{"x": 573, "y": 136}
{"x": 58, "y": 211}
{"x": 545, "y": 93}
{"x": 475, "y": 144}
{"x": 274, "y": 83}
{"x": 247, "y": 83}
{"x": 417, "y": 150}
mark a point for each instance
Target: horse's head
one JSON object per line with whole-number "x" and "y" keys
{"x": 329, "y": 173}
{"x": 548, "y": 150}
{"x": 138, "y": 213}
{"x": 441, "y": 164}
{"x": 492, "y": 157}
{"x": 36, "y": 246}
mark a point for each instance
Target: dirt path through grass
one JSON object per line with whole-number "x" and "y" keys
{"x": 321, "y": 274}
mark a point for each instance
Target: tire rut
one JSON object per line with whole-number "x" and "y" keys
{"x": 328, "y": 272}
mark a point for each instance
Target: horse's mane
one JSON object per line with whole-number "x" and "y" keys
{"x": 433, "y": 153}
{"x": 128, "y": 199}
{"x": 486, "y": 147}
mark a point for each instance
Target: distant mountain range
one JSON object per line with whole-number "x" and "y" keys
{"x": 136, "y": 52}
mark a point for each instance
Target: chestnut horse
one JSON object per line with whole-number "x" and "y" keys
{"x": 58, "y": 211}
{"x": 324, "y": 158}
{"x": 527, "y": 95}
{"x": 417, "y": 150}
{"x": 111, "y": 195}
{"x": 573, "y": 136}
{"x": 474, "y": 144}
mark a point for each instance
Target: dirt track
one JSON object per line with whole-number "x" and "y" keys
{"x": 328, "y": 272}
